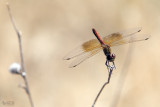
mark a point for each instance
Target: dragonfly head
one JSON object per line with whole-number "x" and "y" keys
{"x": 111, "y": 57}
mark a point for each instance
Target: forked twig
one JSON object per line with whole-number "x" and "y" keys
{"x": 109, "y": 77}
{"x": 23, "y": 73}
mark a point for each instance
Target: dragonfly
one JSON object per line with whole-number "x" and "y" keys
{"x": 94, "y": 46}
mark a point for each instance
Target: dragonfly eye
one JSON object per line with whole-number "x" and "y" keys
{"x": 111, "y": 57}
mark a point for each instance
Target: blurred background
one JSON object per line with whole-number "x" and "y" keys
{"x": 52, "y": 28}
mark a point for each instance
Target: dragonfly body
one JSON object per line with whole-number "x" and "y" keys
{"x": 106, "y": 49}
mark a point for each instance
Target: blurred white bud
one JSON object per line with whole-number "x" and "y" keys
{"x": 23, "y": 74}
{"x": 15, "y": 68}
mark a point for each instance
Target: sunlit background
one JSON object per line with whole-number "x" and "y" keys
{"x": 51, "y": 28}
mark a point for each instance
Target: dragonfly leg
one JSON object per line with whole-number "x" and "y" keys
{"x": 114, "y": 65}
{"x": 107, "y": 64}
{"x": 110, "y": 66}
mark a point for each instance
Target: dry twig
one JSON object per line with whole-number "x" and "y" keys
{"x": 110, "y": 68}
{"x": 23, "y": 73}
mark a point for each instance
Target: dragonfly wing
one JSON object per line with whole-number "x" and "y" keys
{"x": 131, "y": 39}
{"x": 130, "y": 31}
{"x": 86, "y": 47}
{"x": 120, "y": 35}
{"x": 74, "y": 53}
{"x": 84, "y": 56}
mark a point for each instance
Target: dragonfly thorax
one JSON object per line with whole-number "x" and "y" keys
{"x": 106, "y": 50}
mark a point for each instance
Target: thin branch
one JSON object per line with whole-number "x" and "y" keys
{"x": 21, "y": 56}
{"x": 109, "y": 77}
